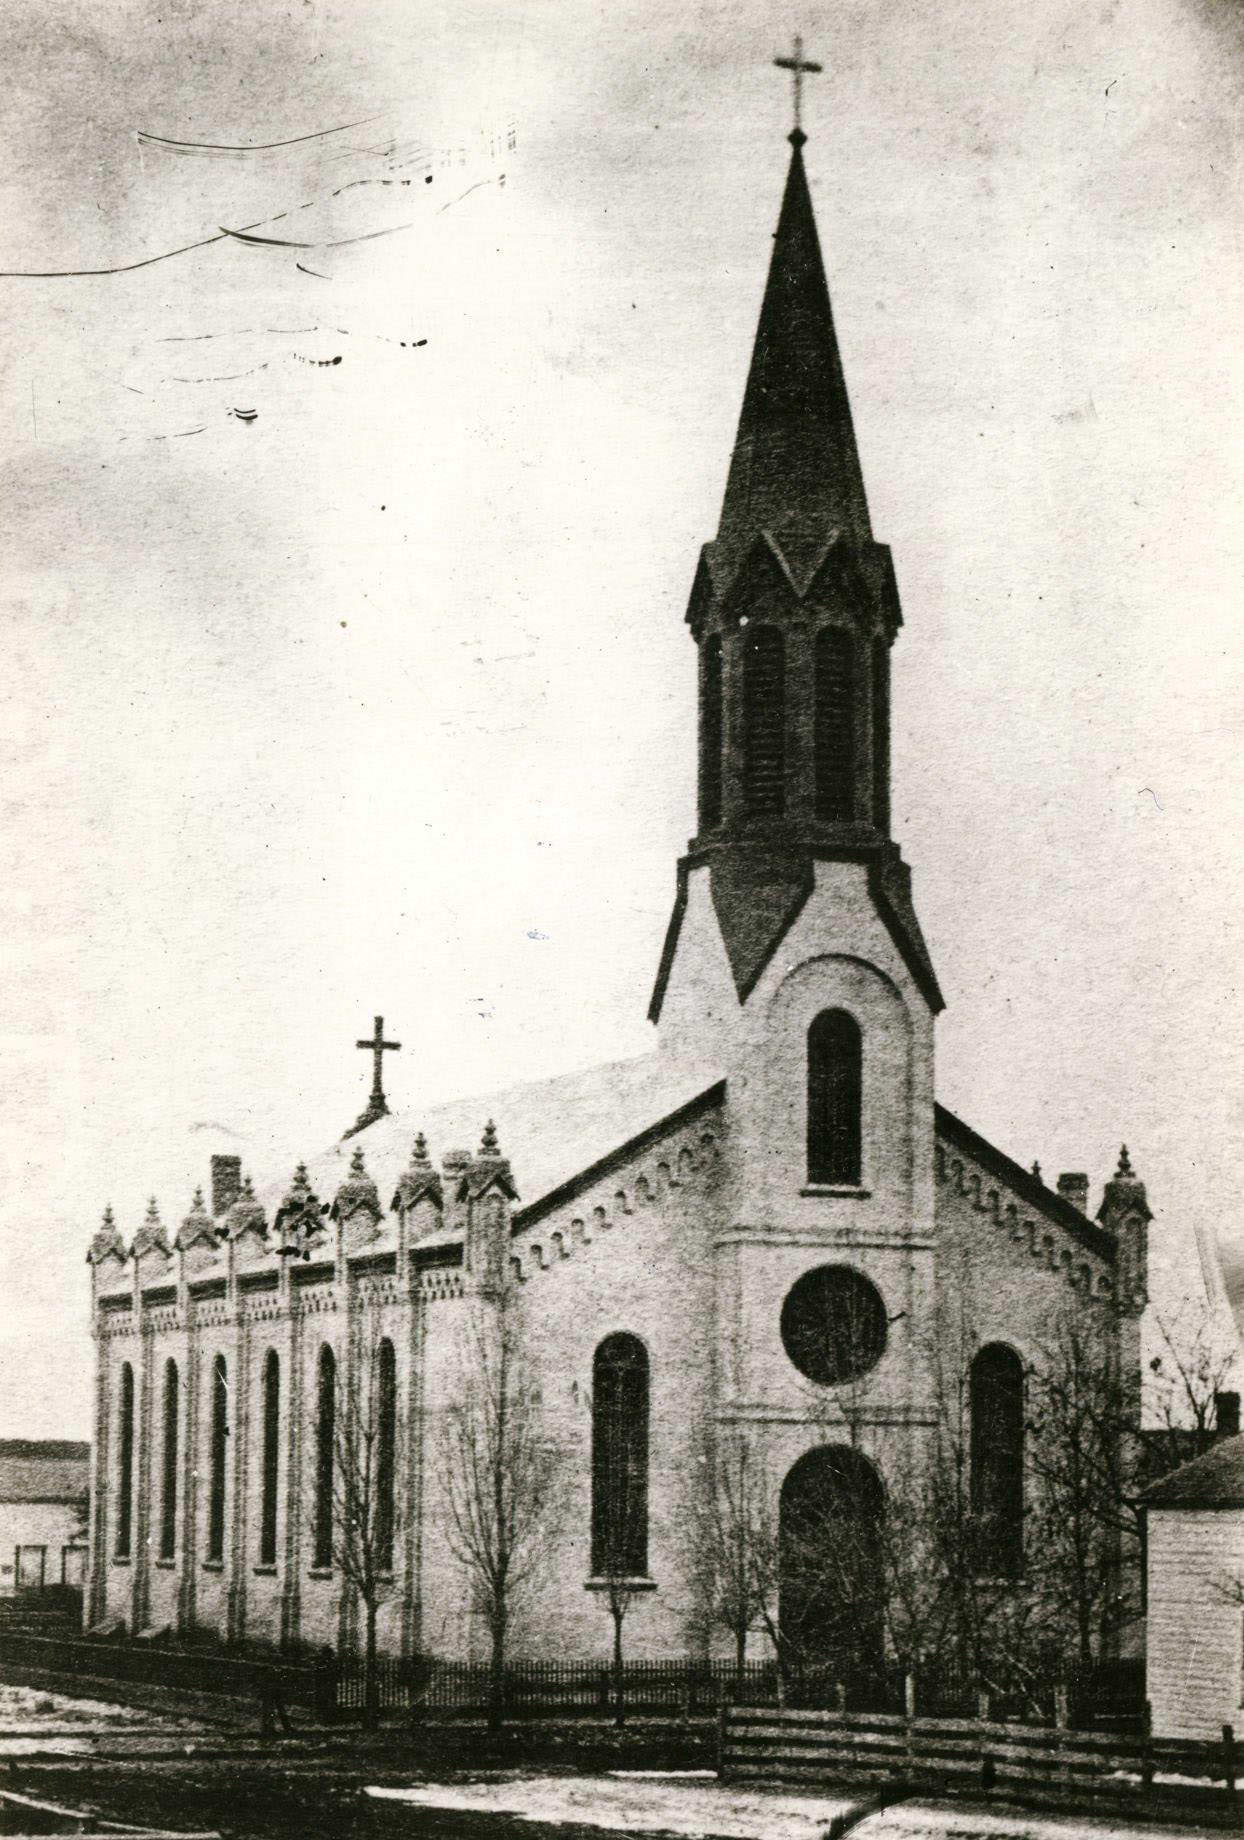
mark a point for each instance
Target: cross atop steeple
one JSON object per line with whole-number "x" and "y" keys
{"x": 799, "y": 66}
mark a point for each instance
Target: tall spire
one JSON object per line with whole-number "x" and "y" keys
{"x": 794, "y": 608}
{"x": 795, "y": 470}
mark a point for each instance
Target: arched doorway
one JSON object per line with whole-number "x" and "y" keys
{"x": 832, "y": 1564}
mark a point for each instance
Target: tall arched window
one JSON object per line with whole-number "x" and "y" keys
{"x": 997, "y": 1457}
{"x": 881, "y": 735}
{"x": 168, "y": 1493}
{"x": 835, "y": 1093}
{"x": 620, "y": 1458}
{"x": 710, "y": 734}
{"x": 216, "y": 1468}
{"x": 764, "y": 720}
{"x": 834, "y": 733}
{"x": 325, "y": 1434}
{"x": 270, "y": 1456}
{"x": 386, "y": 1452}
{"x": 125, "y": 1463}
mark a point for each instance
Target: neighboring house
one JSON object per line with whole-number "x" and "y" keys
{"x": 43, "y": 1513}
{"x": 1194, "y": 1677}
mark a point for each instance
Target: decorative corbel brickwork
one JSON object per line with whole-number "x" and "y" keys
{"x": 546, "y": 1245}
{"x": 1045, "y": 1240}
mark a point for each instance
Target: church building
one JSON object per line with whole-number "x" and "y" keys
{"x": 766, "y": 1236}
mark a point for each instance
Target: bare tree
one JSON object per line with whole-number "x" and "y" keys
{"x": 880, "y": 1556}
{"x": 925, "y": 1550}
{"x": 619, "y": 1415}
{"x": 501, "y": 1479}
{"x": 959, "y": 1603}
{"x": 734, "y": 1552}
{"x": 1193, "y": 1369}
{"x": 365, "y": 1499}
{"x": 934, "y": 1574}
{"x": 762, "y": 1522}
{"x": 1093, "y": 1452}
{"x": 620, "y": 1592}
{"x": 621, "y": 1506}
{"x": 1084, "y": 1421}
{"x": 915, "y": 1570}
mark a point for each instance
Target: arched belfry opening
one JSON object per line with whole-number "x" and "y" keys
{"x": 764, "y": 721}
{"x": 832, "y": 1585}
{"x": 835, "y": 725}
{"x": 712, "y": 732}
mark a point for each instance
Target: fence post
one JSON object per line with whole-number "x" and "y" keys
{"x": 982, "y": 1715}
{"x": 909, "y": 1715}
{"x": 1146, "y": 1753}
{"x": 723, "y": 1708}
{"x": 840, "y": 1696}
{"x": 327, "y": 1675}
{"x": 1228, "y": 1761}
{"x": 1060, "y": 1727}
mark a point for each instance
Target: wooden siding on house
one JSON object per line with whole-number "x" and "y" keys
{"x": 1195, "y": 1634}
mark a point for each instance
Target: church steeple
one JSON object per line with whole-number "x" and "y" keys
{"x": 794, "y": 608}
{"x": 795, "y": 471}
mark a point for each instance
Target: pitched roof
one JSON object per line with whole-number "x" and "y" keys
{"x": 1215, "y": 1480}
{"x": 795, "y": 467}
{"x": 48, "y": 1469}
{"x": 551, "y": 1130}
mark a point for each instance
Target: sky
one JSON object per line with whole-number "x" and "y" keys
{"x": 343, "y": 584}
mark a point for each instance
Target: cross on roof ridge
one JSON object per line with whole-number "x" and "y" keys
{"x": 377, "y": 1105}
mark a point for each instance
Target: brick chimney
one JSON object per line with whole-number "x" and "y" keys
{"x": 1073, "y": 1187}
{"x": 226, "y": 1182}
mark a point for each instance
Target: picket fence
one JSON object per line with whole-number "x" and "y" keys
{"x": 196, "y": 1670}
{"x": 418, "y": 1686}
{"x": 1028, "y": 1763}
{"x": 551, "y": 1689}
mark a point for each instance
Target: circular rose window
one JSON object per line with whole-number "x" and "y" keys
{"x": 833, "y": 1324}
